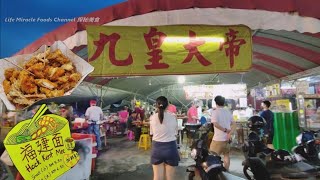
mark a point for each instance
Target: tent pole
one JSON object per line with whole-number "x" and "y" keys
{"x": 105, "y": 92}
{"x": 189, "y": 103}
{"x": 155, "y": 92}
{"x": 101, "y": 99}
{"x": 115, "y": 89}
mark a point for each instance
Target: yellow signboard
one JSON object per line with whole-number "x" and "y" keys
{"x": 41, "y": 147}
{"x": 273, "y": 90}
{"x": 283, "y": 105}
{"x": 169, "y": 50}
{"x": 230, "y": 91}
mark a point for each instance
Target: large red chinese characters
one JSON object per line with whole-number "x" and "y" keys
{"x": 113, "y": 39}
{"x": 154, "y": 40}
{"x": 192, "y": 47}
{"x": 233, "y": 45}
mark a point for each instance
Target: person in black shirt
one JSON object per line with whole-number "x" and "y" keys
{"x": 136, "y": 128}
{"x": 267, "y": 114}
{"x": 130, "y": 120}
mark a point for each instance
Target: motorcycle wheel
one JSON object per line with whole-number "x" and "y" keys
{"x": 191, "y": 176}
{"x": 248, "y": 172}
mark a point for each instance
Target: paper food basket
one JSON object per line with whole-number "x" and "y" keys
{"x": 83, "y": 67}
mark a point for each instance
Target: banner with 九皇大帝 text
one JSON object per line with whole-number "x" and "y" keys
{"x": 169, "y": 50}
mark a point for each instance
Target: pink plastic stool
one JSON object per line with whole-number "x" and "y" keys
{"x": 130, "y": 135}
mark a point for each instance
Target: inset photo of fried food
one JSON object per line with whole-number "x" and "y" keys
{"x": 45, "y": 75}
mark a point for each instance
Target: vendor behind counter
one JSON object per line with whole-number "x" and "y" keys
{"x": 66, "y": 111}
{"x": 132, "y": 126}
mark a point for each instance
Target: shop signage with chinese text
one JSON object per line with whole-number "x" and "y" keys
{"x": 229, "y": 91}
{"x": 166, "y": 50}
{"x": 42, "y": 147}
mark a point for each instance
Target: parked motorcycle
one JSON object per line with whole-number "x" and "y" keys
{"x": 308, "y": 148}
{"x": 208, "y": 166}
{"x": 263, "y": 163}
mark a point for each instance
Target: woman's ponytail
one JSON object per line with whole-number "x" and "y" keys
{"x": 162, "y": 104}
{"x": 161, "y": 114}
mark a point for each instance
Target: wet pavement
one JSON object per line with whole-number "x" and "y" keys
{"x": 122, "y": 160}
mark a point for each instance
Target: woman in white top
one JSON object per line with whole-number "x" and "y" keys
{"x": 164, "y": 153}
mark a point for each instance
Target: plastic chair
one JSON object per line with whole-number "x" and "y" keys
{"x": 144, "y": 141}
{"x": 130, "y": 135}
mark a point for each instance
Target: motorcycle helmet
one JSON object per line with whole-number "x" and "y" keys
{"x": 281, "y": 156}
{"x": 307, "y": 136}
{"x": 255, "y": 144}
{"x": 212, "y": 163}
{"x": 256, "y": 123}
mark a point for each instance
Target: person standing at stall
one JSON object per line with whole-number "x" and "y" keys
{"x": 94, "y": 115}
{"x": 249, "y": 111}
{"x": 192, "y": 120}
{"x": 224, "y": 127}
{"x": 267, "y": 114}
{"x": 203, "y": 119}
{"x": 123, "y": 118}
{"x": 164, "y": 152}
{"x": 137, "y": 121}
{"x": 134, "y": 125}
{"x": 193, "y": 114}
{"x": 130, "y": 121}
{"x": 172, "y": 108}
{"x": 141, "y": 113}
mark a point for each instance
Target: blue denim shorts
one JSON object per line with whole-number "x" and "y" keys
{"x": 165, "y": 152}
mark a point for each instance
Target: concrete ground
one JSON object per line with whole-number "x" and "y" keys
{"x": 122, "y": 161}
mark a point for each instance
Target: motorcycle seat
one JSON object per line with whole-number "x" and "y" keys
{"x": 298, "y": 175}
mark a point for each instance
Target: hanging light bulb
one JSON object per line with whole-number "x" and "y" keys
{"x": 181, "y": 79}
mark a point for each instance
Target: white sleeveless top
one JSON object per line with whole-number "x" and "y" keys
{"x": 166, "y": 131}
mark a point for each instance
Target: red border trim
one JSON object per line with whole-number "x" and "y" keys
{"x": 138, "y": 7}
{"x": 316, "y": 35}
{"x": 307, "y": 54}
{"x": 89, "y": 79}
{"x": 104, "y": 81}
{"x": 279, "y": 62}
{"x": 268, "y": 71}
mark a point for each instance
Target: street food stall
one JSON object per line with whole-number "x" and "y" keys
{"x": 227, "y": 52}
{"x": 308, "y": 101}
